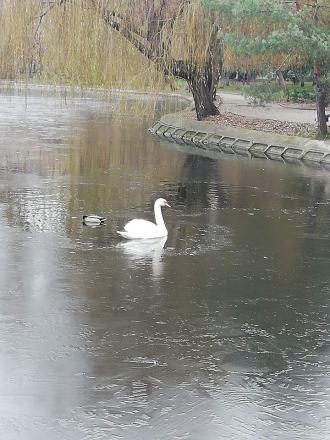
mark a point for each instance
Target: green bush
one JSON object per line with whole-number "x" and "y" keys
{"x": 296, "y": 94}
{"x": 262, "y": 93}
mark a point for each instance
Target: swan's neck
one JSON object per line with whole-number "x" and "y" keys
{"x": 159, "y": 216}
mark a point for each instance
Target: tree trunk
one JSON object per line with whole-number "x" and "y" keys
{"x": 199, "y": 79}
{"x": 321, "y": 101}
{"x": 213, "y": 76}
{"x": 204, "y": 104}
{"x": 213, "y": 86}
{"x": 281, "y": 79}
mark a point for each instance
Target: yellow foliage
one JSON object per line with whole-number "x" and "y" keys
{"x": 232, "y": 61}
{"x": 258, "y": 29}
{"x": 192, "y": 34}
{"x": 17, "y": 38}
{"x": 71, "y": 43}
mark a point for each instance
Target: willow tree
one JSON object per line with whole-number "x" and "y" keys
{"x": 179, "y": 36}
{"x": 104, "y": 42}
{"x": 275, "y": 34}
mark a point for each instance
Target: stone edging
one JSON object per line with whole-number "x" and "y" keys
{"x": 249, "y": 143}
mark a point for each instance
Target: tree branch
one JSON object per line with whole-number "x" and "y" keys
{"x": 43, "y": 15}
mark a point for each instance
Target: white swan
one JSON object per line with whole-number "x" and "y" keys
{"x": 138, "y": 228}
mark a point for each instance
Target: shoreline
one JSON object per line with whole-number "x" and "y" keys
{"x": 205, "y": 136}
{"x": 213, "y": 136}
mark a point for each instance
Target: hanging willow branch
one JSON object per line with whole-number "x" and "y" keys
{"x": 113, "y": 42}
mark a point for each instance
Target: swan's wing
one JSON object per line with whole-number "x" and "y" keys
{"x": 141, "y": 226}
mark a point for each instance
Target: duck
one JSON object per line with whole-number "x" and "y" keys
{"x": 143, "y": 229}
{"x": 93, "y": 219}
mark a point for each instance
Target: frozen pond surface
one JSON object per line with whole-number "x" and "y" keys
{"x": 221, "y": 332}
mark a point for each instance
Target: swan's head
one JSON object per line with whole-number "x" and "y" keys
{"x": 162, "y": 202}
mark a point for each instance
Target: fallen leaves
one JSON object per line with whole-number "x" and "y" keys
{"x": 229, "y": 119}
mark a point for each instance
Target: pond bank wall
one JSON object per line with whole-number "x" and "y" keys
{"x": 205, "y": 136}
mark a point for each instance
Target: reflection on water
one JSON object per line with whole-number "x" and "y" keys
{"x": 145, "y": 251}
{"x": 219, "y": 331}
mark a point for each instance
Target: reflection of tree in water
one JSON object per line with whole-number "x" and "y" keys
{"x": 199, "y": 193}
{"x": 201, "y": 187}
{"x": 318, "y": 195}
{"x": 316, "y": 235}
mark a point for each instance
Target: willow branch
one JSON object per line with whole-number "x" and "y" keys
{"x": 43, "y": 15}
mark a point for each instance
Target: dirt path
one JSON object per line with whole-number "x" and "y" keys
{"x": 237, "y": 104}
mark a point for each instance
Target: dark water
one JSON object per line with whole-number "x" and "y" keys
{"x": 222, "y": 332}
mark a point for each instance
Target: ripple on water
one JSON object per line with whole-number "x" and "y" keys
{"x": 254, "y": 362}
{"x": 200, "y": 240}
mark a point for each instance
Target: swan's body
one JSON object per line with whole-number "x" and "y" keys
{"x": 93, "y": 219}
{"x": 139, "y": 228}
